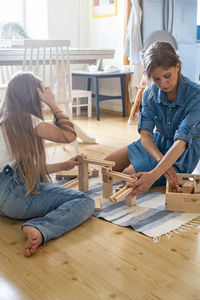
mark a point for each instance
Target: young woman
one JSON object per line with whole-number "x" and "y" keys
{"x": 171, "y": 104}
{"x": 25, "y": 188}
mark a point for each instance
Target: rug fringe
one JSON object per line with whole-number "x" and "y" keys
{"x": 183, "y": 228}
{"x": 156, "y": 239}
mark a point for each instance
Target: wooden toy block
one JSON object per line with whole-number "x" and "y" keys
{"x": 105, "y": 170}
{"x": 178, "y": 188}
{"x": 71, "y": 175}
{"x": 67, "y": 174}
{"x": 59, "y": 176}
{"x": 117, "y": 194}
{"x": 107, "y": 189}
{"x": 125, "y": 191}
{"x": 196, "y": 185}
{"x": 117, "y": 175}
{"x": 130, "y": 201}
{"x": 108, "y": 175}
{"x": 100, "y": 162}
{"x": 188, "y": 187}
{"x": 83, "y": 174}
{"x": 118, "y": 188}
{"x": 71, "y": 183}
{"x": 106, "y": 178}
{"x": 94, "y": 172}
{"x": 97, "y": 204}
{"x": 183, "y": 202}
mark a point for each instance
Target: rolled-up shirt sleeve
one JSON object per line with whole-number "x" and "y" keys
{"x": 189, "y": 128}
{"x": 146, "y": 121}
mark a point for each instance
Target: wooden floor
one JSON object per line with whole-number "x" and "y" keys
{"x": 100, "y": 260}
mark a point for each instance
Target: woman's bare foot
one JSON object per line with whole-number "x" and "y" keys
{"x": 34, "y": 239}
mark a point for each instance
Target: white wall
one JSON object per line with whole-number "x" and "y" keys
{"x": 67, "y": 19}
{"x": 73, "y": 20}
{"x": 108, "y": 32}
{"x": 36, "y": 16}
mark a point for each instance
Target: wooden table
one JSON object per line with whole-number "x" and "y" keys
{"x": 96, "y": 76}
{"x": 14, "y": 56}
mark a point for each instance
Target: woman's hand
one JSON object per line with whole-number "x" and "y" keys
{"x": 171, "y": 175}
{"x": 71, "y": 163}
{"x": 46, "y": 95}
{"x": 142, "y": 184}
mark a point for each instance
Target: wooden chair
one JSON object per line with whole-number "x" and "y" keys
{"x": 6, "y": 72}
{"x": 138, "y": 100}
{"x": 77, "y": 95}
{"x": 49, "y": 59}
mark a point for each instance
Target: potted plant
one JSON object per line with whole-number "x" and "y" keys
{"x": 12, "y": 30}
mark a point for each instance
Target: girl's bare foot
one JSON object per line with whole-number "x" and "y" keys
{"x": 34, "y": 239}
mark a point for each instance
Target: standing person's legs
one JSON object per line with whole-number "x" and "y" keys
{"x": 121, "y": 158}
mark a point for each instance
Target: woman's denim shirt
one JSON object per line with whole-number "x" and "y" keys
{"x": 169, "y": 121}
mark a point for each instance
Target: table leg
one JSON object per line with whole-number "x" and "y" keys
{"x": 89, "y": 84}
{"x": 122, "y": 80}
{"x": 96, "y": 92}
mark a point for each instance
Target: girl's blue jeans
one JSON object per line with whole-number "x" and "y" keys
{"x": 53, "y": 211}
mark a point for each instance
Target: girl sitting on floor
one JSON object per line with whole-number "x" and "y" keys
{"x": 26, "y": 191}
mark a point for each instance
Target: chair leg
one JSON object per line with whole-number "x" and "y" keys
{"x": 96, "y": 92}
{"x": 70, "y": 107}
{"x": 122, "y": 81}
{"x": 78, "y": 109}
{"x": 89, "y": 106}
{"x": 137, "y": 102}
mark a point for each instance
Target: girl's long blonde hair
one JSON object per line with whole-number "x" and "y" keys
{"x": 27, "y": 149}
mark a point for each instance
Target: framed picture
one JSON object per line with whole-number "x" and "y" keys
{"x": 104, "y": 8}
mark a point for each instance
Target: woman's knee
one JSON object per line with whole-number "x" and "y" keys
{"x": 129, "y": 170}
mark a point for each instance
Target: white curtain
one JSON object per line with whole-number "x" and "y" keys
{"x": 133, "y": 47}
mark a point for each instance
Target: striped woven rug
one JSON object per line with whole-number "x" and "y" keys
{"x": 148, "y": 216}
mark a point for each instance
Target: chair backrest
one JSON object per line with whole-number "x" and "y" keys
{"x": 160, "y": 36}
{"x": 6, "y": 72}
{"x": 49, "y": 59}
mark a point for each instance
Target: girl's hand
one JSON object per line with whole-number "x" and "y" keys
{"x": 46, "y": 95}
{"x": 142, "y": 184}
{"x": 171, "y": 175}
{"x": 71, "y": 163}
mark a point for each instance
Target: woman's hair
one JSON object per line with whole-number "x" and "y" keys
{"x": 159, "y": 54}
{"x": 27, "y": 149}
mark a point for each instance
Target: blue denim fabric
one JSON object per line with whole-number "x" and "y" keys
{"x": 53, "y": 211}
{"x": 169, "y": 121}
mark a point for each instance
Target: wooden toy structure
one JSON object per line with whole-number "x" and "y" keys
{"x": 186, "y": 197}
{"x": 107, "y": 175}
{"x": 83, "y": 169}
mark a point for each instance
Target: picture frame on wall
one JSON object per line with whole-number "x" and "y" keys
{"x": 104, "y": 8}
